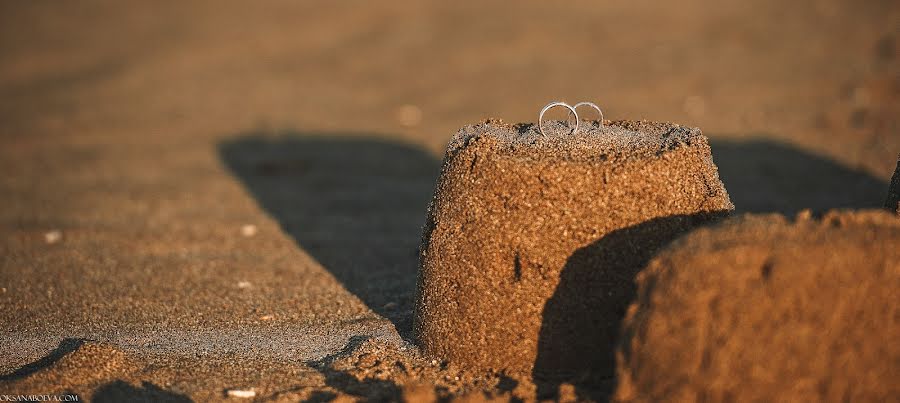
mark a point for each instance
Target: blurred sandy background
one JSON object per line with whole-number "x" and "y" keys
{"x": 248, "y": 180}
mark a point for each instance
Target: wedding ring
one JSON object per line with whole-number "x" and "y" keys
{"x": 562, "y": 104}
{"x": 592, "y": 105}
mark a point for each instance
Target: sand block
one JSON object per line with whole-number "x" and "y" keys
{"x": 893, "y": 200}
{"x": 762, "y": 309}
{"x": 532, "y": 241}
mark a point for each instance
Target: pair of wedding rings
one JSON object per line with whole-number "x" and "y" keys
{"x": 573, "y": 110}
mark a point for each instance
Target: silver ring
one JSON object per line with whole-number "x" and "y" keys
{"x": 592, "y": 105}
{"x": 554, "y": 104}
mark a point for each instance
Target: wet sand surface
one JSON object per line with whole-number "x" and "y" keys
{"x": 202, "y": 191}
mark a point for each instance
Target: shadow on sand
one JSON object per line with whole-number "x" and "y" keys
{"x": 582, "y": 320}
{"x": 65, "y": 347}
{"x": 121, "y": 391}
{"x": 116, "y": 391}
{"x": 763, "y": 176}
{"x": 368, "y": 389}
{"x": 355, "y": 203}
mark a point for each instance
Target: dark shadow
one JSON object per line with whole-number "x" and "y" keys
{"x": 321, "y": 397}
{"x": 65, "y": 347}
{"x": 368, "y": 389}
{"x": 767, "y": 176}
{"x": 121, "y": 391}
{"x": 506, "y": 383}
{"x": 582, "y": 320}
{"x": 356, "y": 204}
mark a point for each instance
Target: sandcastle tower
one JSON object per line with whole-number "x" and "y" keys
{"x": 532, "y": 241}
{"x": 759, "y": 308}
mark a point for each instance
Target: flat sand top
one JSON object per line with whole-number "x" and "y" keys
{"x": 218, "y": 189}
{"x": 592, "y": 141}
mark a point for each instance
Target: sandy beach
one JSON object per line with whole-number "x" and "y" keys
{"x": 201, "y": 201}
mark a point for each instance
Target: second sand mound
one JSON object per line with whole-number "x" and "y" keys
{"x": 762, "y": 309}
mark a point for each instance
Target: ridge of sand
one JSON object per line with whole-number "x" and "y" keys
{"x": 281, "y": 343}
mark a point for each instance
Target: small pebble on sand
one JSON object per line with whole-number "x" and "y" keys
{"x": 52, "y": 237}
{"x": 241, "y": 393}
{"x": 248, "y": 230}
